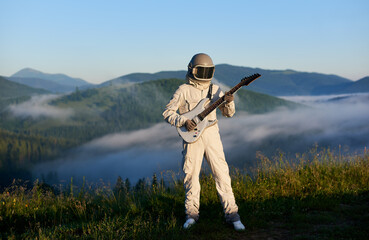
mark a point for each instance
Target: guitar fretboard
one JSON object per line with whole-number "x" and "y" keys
{"x": 244, "y": 82}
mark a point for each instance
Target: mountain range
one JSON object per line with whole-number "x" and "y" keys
{"x": 272, "y": 82}
{"x": 361, "y": 85}
{"x": 56, "y": 83}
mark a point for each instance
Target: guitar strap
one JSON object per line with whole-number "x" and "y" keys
{"x": 210, "y": 92}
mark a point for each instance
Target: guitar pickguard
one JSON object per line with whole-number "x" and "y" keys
{"x": 194, "y": 135}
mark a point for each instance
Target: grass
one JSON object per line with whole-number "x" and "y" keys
{"x": 317, "y": 195}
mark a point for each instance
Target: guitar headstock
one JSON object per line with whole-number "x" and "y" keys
{"x": 247, "y": 80}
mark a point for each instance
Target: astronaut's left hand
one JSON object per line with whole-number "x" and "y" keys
{"x": 228, "y": 97}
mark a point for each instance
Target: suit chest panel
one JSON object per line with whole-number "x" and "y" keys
{"x": 192, "y": 96}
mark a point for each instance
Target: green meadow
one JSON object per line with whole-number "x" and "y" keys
{"x": 316, "y": 195}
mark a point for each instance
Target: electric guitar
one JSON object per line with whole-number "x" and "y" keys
{"x": 199, "y": 113}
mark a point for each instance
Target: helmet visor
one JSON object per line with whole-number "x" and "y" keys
{"x": 203, "y": 73}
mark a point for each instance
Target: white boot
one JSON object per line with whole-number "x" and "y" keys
{"x": 189, "y": 223}
{"x": 238, "y": 226}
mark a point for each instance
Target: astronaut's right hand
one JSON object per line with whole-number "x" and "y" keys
{"x": 190, "y": 125}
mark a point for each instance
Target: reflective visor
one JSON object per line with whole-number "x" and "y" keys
{"x": 203, "y": 72}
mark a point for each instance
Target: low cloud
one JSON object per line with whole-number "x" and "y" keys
{"x": 332, "y": 123}
{"x": 157, "y": 137}
{"x": 38, "y": 107}
{"x": 328, "y": 121}
{"x": 133, "y": 155}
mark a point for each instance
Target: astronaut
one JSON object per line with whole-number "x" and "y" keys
{"x": 187, "y": 96}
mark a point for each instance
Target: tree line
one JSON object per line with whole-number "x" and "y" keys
{"x": 18, "y": 152}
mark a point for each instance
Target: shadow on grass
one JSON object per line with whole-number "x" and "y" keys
{"x": 344, "y": 216}
{"x": 319, "y": 217}
{"x": 316, "y": 217}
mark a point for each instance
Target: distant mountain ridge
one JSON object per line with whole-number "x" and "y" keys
{"x": 358, "y": 86}
{"x": 43, "y": 83}
{"x": 61, "y": 79}
{"x": 143, "y": 77}
{"x": 282, "y": 82}
{"x": 272, "y": 82}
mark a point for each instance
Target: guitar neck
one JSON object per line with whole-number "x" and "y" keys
{"x": 244, "y": 82}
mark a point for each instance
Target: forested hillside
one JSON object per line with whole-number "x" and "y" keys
{"x": 121, "y": 108}
{"x": 130, "y": 107}
{"x": 13, "y": 93}
{"x": 19, "y": 151}
{"x": 27, "y": 139}
{"x": 12, "y": 90}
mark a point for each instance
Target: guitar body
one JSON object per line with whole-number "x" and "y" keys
{"x": 194, "y": 135}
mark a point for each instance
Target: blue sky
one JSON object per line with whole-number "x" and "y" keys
{"x": 101, "y": 40}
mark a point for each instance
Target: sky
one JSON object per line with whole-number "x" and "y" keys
{"x": 100, "y": 40}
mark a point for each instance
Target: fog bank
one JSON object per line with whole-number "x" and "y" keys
{"x": 328, "y": 121}
{"x": 38, "y": 107}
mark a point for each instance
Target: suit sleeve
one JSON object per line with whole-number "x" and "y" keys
{"x": 170, "y": 113}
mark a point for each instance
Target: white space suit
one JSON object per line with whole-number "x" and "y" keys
{"x": 209, "y": 145}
